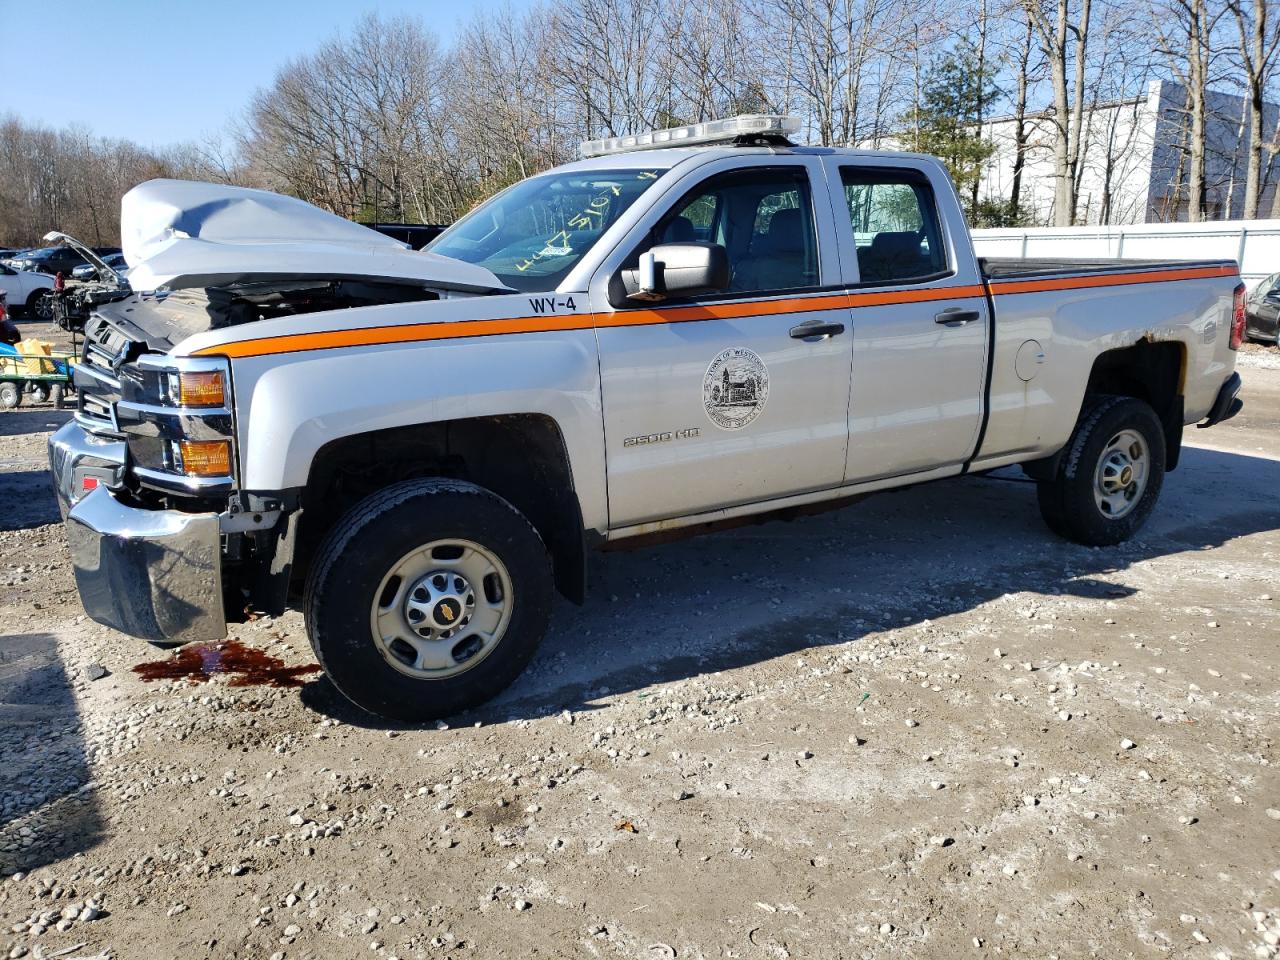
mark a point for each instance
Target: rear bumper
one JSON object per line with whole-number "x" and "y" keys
{"x": 1228, "y": 403}
{"x": 153, "y": 574}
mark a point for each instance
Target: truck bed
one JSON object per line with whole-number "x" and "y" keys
{"x": 1012, "y": 268}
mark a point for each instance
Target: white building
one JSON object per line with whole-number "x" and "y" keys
{"x": 1135, "y": 164}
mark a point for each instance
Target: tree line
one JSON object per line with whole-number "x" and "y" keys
{"x": 384, "y": 122}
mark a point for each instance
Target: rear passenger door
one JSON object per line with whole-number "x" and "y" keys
{"x": 920, "y": 320}
{"x": 727, "y": 399}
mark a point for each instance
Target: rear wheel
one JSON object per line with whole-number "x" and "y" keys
{"x": 10, "y": 394}
{"x": 428, "y": 598}
{"x": 1110, "y": 476}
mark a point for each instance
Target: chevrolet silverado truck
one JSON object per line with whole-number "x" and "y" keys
{"x": 681, "y": 330}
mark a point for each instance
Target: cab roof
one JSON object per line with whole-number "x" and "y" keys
{"x": 665, "y": 158}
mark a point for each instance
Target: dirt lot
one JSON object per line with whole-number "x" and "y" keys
{"x": 919, "y": 727}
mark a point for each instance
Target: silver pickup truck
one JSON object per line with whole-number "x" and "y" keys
{"x": 683, "y": 329}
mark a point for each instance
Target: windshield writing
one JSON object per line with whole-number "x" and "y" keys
{"x": 532, "y": 235}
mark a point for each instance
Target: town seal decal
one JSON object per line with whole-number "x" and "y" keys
{"x": 735, "y": 388}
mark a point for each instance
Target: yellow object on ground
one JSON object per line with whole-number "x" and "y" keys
{"x": 32, "y": 351}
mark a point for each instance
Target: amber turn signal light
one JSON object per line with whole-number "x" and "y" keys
{"x": 205, "y": 458}
{"x": 201, "y": 388}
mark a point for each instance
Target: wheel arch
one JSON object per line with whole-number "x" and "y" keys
{"x": 521, "y": 457}
{"x": 1148, "y": 370}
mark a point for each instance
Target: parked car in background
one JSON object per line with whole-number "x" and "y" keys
{"x": 7, "y": 256}
{"x": 50, "y": 260}
{"x": 28, "y": 291}
{"x": 87, "y": 271}
{"x": 1262, "y": 311}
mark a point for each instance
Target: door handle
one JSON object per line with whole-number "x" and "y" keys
{"x": 815, "y": 330}
{"x": 955, "y": 316}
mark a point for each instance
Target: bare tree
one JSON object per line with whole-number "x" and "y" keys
{"x": 511, "y": 116}
{"x": 842, "y": 62}
{"x": 1184, "y": 31}
{"x": 1259, "y": 41}
{"x": 618, "y": 73}
{"x": 713, "y": 72}
{"x": 1063, "y": 33}
{"x": 1025, "y": 73}
{"x": 341, "y": 127}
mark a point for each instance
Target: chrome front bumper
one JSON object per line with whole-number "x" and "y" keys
{"x": 153, "y": 574}
{"x": 76, "y": 455}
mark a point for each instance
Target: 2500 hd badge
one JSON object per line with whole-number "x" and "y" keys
{"x": 686, "y": 434}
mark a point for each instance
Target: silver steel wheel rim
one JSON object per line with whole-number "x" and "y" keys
{"x": 1121, "y": 476}
{"x": 441, "y": 609}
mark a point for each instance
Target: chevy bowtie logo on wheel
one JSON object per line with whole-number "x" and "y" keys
{"x": 446, "y": 613}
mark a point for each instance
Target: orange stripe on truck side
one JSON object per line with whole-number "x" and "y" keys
{"x": 418, "y": 332}
{"x": 999, "y": 288}
{"x": 396, "y": 333}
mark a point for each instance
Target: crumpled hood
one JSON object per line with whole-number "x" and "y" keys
{"x": 183, "y": 233}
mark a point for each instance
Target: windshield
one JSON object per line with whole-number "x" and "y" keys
{"x": 531, "y": 236}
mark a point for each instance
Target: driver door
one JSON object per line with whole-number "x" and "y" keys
{"x": 729, "y": 399}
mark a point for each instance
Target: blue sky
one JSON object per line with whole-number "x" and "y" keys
{"x": 160, "y": 73}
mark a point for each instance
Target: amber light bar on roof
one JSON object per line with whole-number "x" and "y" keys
{"x": 696, "y": 134}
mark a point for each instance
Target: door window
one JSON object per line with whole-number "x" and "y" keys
{"x": 764, "y": 220}
{"x": 895, "y": 225}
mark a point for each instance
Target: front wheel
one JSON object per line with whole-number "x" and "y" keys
{"x": 428, "y": 598}
{"x": 40, "y": 305}
{"x": 1110, "y": 475}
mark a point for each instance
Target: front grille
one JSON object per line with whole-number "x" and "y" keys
{"x": 97, "y": 379}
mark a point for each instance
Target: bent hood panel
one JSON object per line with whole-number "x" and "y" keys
{"x": 183, "y": 233}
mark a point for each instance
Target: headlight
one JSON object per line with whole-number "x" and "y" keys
{"x": 198, "y": 388}
{"x": 175, "y": 414}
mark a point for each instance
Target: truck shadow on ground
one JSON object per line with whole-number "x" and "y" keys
{"x": 663, "y": 614}
{"x": 47, "y": 809}
{"x": 44, "y": 418}
{"x": 28, "y": 497}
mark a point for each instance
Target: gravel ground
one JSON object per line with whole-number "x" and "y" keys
{"x": 917, "y": 727}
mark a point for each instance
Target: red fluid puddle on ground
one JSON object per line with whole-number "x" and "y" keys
{"x": 244, "y": 666}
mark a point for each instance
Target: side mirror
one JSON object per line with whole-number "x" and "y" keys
{"x": 672, "y": 270}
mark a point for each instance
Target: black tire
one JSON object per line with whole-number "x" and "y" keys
{"x": 40, "y": 305}
{"x": 10, "y": 395}
{"x": 365, "y": 546}
{"x": 1067, "y": 502}
{"x": 59, "y": 396}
